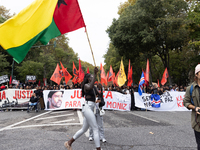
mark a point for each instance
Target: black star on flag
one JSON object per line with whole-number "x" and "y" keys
{"x": 61, "y": 2}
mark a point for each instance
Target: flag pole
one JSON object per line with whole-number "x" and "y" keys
{"x": 91, "y": 51}
{"x": 90, "y": 47}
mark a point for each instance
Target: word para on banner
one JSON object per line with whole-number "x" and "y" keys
{"x": 72, "y": 104}
{"x": 179, "y": 100}
{"x": 22, "y": 94}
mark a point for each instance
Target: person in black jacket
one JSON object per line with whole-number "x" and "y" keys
{"x": 99, "y": 118}
{"x": 34, "y": 99}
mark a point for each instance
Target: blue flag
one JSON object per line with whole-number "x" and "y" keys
{"x": 155, "y": 100}
{"x": 141, "y": 82}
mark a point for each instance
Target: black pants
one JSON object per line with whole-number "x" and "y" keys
{"x": 132, "y": 102}
{"x": 197, "y": 136}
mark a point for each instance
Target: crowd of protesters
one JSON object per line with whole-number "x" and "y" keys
{"x": 124, "y": 89}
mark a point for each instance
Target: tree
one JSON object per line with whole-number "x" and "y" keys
{"x": 3, "y": 65}
{"x": 124, "y": 5}
{"x": 151, "y": 27}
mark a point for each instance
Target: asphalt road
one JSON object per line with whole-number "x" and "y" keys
{"x": 135, "y": 130}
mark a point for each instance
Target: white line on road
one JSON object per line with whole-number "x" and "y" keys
{"x": 144, "y": 117}
{"x": 63, "y": 121}
{"x": 55, "y": 116}
{"x": 80, "y": 116}
{"x": 44, "y": 125}
{"x": 57, "y": 112}
{"x": 81, "y": 121}
{"x": 10, "y": 126}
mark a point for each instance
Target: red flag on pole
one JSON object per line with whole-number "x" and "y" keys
{"x": 165, "y": 76}
{"x": 158, "y": 83}
{"x": 39, "y": 83}
{"x": 81, "y": 72}
{"x": 130, "y": 81}
{"x": 75, "y": 71}
{"x": 56, "y": 77}
{"x": 10, "y": 82}
{"x": 103, "y": 75}
{"x": 65, "y": 73}
{"x": 107, "y": 76}
{"x": 146, "y": 73}
{"x": 116, "y": 79}
{"x": 110, "y": 74}
{"x": 45, "y": 81}
{"x": 88, "y": 71}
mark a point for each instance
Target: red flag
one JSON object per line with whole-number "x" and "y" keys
{"x": 75, "y": 71}
{"x": 147, "y": 72}
{"x": 107, "y": 76}
{"x": 68, "y": 16}
{"x": 165, "y": 76}
{"x": 88, "y": 71}
{"x": 75, "y": 79}
{"x": 65, "y": 73}
{"x": 116, "y": 79}
{"x": 103, "y": 75}
{"x": 56, "y": 77}
{"x": 130, "y": 80}
{"x": 45, "y": 81}
{"x": 110, "y": 74}
{"x": 10, "y": 82}
{"x": 158, "y": 83}
{"x": 39, "y": 83}
{"x": 81, "y": 72}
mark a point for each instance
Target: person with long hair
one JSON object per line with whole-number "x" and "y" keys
{"x": 90, "y": 92}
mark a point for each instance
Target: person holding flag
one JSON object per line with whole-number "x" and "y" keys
{"x": 90, "y": 92}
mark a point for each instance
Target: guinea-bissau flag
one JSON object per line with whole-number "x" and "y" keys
{"x": 40, "y": 21}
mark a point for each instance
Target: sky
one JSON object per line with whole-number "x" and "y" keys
{"x": 98, "y": 16}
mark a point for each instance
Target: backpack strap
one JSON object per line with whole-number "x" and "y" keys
{"x": 191, "y": 89}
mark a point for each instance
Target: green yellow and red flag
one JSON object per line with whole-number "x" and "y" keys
{"x": 40, "y": 21}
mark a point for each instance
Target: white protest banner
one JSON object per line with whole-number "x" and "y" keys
{"x": 71, "y": 99}
{"x": 117, "y": 101}
{"x": 4, "y": 79}
{"x": 170, "y": 101}
{"x": 23, "y": 96}
{"x": 63, "y": 99}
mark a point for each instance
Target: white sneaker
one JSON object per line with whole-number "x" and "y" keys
{"x": 90, "y": 139}
{"x": 103, "y": 140}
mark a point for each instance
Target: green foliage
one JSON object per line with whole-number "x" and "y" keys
{"x": 151, "y": 28}
{"x": 3, "y": 65}
{"x": 30, "y": 68}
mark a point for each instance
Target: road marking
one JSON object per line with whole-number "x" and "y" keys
{"x": 144, "y": 117}
{"x": 57, "y": 112}
{"x": 63, "y": 121}
{"x": 80, "y": 116}
{"x": 10, "y": 126}
{"x": 55, "y": 116}
{"x": 44, "y": 125}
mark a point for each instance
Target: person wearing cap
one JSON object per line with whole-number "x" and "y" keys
{"x": 54, "y": 99}
{"x": 192, "y": 101}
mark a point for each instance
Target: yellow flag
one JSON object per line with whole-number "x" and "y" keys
{"x": 122, "y": 76}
